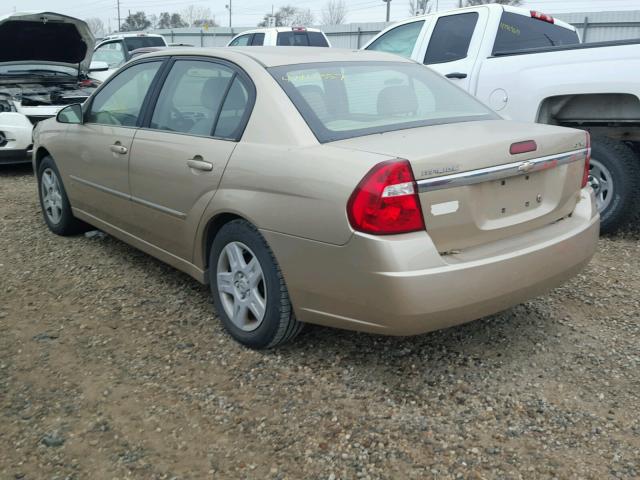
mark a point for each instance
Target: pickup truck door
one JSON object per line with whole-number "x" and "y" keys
{"x": 452, "y": 45}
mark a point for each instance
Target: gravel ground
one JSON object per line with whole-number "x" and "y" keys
{"x": 112, "y": 365}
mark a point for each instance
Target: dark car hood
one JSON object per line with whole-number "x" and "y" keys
{"x": 45, "y": 37}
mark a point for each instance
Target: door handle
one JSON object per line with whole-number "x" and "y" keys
{"x": 197, "y": 163}
{"x": 457, "y": 75}
{"x": 118, "y": 148}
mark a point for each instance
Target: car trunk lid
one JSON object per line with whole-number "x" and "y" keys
{"x": 473, "y": 190}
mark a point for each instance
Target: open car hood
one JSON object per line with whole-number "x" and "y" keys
{"x": 45, "y": 37}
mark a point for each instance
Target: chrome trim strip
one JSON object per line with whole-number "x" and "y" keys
{"x": 117, "y": 193}
{"x": 102, "y": 188}
{"x": 500, "y": 171}
{"x": 161, "y": 208}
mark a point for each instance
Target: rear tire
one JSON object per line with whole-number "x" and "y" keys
{"x": 249, "y": 292}
{"x": 615, "y": 179}
{"x": 54, "y": 202}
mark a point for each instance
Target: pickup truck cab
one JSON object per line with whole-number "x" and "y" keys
{"x": 116, "y": 50}
{"x": 530, "y": 67}
{"x": 281, "y": 37}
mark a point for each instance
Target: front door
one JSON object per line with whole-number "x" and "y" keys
{"x": 178, "y": 159}
{"x": 99, "y": 161}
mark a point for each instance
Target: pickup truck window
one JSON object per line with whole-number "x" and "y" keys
{"x": 258, "y": 39}
{"x": 399, "y": 40}
{"x": 241, "y": 41}
{"x": 519, "y": 32}
{"x": 133, "y": 43}
{"x": 451, "y": 38}
{"x": 340, "y": 100}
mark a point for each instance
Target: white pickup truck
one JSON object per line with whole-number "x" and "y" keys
{"x": 531, "y": 67}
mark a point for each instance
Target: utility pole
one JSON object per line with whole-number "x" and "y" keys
{"x": 388, "y": 2}
{"x": 118, "y": 15}
{"x": 459, "y": 3}
{"x": 229, "y": 7}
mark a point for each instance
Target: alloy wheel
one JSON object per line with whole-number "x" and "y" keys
{"x": 51, "y": 195}
{"x": 241, "y": 286}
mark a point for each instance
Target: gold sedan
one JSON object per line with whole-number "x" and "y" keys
{"x": 357, "y": 190}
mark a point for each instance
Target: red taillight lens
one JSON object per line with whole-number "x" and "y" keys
{"x": 542, "y": 16}
{"x": 585, "y": 175}
{"x": 523, "y": 147}
{"x": 386, "y": 201}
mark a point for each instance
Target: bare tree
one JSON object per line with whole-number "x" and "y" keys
{"x": 288, "y": 15}
{"x": 96, "y": 26}
{"x": 196, "y": 14}
{"x": 471, "y": 3}
{"x": 334, "y": 12}
{"x": 419, "y": 7}
{"x": 303, "y": 17}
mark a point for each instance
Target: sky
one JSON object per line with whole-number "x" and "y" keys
{"x": 250, "y": 12}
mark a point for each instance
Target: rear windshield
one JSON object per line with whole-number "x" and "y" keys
{"x": 134, "y": 43}
{"x": 341, "y": 100}
{"x": 302, "y": 39}
{"x": 519, "y": 32}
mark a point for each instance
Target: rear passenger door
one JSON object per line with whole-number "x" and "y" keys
{"x": 179, "y": 155}
{"x": 453, "y": 45}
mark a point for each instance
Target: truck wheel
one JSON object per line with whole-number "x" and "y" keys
{"x": 614, "y": 176}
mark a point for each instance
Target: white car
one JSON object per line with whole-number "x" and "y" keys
{"x": 115, "y": 50}
{"x": 281, "y": 37}
{"x": 531, "y": 67}
{"x": 43, "y": 71}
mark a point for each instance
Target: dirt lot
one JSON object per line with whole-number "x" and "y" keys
{"x": 112, "y": 365}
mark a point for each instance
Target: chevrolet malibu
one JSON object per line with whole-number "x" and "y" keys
{"x": 350, "y": 189}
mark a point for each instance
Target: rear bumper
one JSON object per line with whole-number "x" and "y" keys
{"x": 401, "y": 285}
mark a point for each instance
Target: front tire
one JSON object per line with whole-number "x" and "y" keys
{"x": 614, "y": 175}
{"x": 249, "y": 292}
{"x": 54, "y": 202}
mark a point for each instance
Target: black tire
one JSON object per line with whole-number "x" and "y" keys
{"x": 67, "y": 224}
{"x": 278, "y": 324}
{"x": 624, "y": 169}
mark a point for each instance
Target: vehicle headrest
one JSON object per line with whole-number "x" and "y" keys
{"x": 397, "y": 100}
{"x": 212, "y": 92}
{"x": 236, "y": 98}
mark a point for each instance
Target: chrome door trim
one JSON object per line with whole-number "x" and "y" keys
{"x": 117, "y": 193}
{"x": 501, "y": 171}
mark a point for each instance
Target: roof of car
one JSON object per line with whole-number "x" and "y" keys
{"x": 276, "y": 56}
{"x": 278, "y": 29}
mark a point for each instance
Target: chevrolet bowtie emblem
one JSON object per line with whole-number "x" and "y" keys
{"x": 526, "y": 166}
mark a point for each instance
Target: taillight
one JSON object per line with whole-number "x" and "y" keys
{"x": 585, "y": 175}
{"x": 542, "y": 16}
{"x": 385, "y": 202}
{"x": 523, "y": 147}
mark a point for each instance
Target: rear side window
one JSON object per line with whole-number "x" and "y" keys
{"x": 258, "y": 39}
{"x": 451, "y": 38}
{"x": 519, "y": 32}
{"x": 317, "y": 39}
{"x": 399, "y": 40}
{"x": 191, "y": 97}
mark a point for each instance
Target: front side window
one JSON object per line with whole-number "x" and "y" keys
{"x": 119, "y": 102}
{"x": 241, "y": 41}
{"x": 111, "y": 53}
{"x": 520, "y": 32}
{"x": 191, "y": 97}
{"x": 258, "y": 39}
{"x": 399, "y": 40}
{"x": 349, "y": 99}
{"x": 451, "y": 38}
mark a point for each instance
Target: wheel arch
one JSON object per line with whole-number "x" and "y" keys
{"x": 39, "y": 155}
{"x": 209, "y": 232}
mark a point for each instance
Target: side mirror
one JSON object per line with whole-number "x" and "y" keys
{"x": 98, "y": 67}
{"x": 70, "y": 114}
